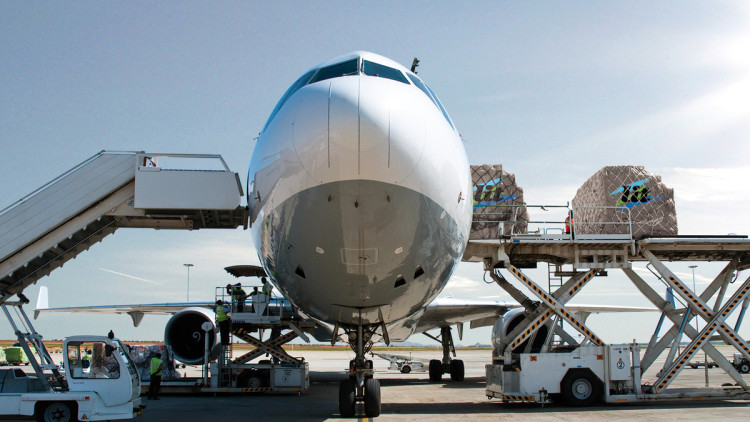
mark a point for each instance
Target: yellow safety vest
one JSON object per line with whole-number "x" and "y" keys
{"x": 221, "y": 314}
{"x": 267, "y": 289}
{"x": 156, "y": 366}
{"x": 238, "y": 293}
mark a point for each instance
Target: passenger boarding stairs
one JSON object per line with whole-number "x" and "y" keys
{"x": 109, "y": 190}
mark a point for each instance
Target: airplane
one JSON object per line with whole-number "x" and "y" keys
{"x": 360, "y": 206}
{"x": 360, "y": 202}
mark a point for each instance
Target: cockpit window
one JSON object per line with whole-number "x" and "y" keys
{"x": 431, "y": 95}
{"x": 350, "y": 67}
{"x": 376, "y": 69}
{"x": 292, "y": 89}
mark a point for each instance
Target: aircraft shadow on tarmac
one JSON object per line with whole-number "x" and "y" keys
{"x": 481, "y": 405}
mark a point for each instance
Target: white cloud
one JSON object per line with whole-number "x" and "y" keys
{"x": 710, "y": 200}
{"x": 693, "y": 121}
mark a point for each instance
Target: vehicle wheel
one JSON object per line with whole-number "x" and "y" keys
{"x": 405, "y": 369}
{"x": 250, "y": 379}
{"x": 372, "y": 398}
{"x": 346, "y": 398}
{"x": 744, "y": 368}
{"x": 457, "y": 370}
{"x": 436, "y": 370}
{"x": 581, "y": 388}
{"x": 57, "y": 412}
{"x": 255, "y": 381}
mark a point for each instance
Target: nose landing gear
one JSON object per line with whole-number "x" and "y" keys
{"x": 360, "y": 387}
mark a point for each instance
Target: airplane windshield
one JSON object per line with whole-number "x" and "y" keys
{"x": 379, "y": 70}
{"x": 431, "y": 95}
{"x": 349, "y": 67}
{"x": 292, "y": 89}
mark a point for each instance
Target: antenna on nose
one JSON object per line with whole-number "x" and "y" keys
{"x": 414, "y": 65}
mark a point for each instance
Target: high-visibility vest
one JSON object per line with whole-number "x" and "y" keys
{"x": 156, "y": 366}
{"x": 221, "y": 313}
{"x": 238, "y": 293}
{"x": 267, "y": 289}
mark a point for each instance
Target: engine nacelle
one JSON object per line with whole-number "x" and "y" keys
{"x": 506, "y": 324}
{"x": 184, "y": 336}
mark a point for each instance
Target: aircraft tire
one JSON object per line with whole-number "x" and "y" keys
{"x": 436, "y": 370}
{"x": 457, "y": 370}
{"x": 372, "y": 398}
{"x": 346, "y": 398}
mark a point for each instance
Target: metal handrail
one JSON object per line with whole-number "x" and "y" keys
{"x": 57, "y": 179}
{"x": 477, "y": 218}
{"x": 629, "y": 220}
{"x": 137, "y": 154}
{"x": 175, "y": 155}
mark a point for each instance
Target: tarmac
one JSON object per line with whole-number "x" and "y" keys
{"x": 412, "y": 397}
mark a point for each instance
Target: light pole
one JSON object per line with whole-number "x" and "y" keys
{"x": 188, "y": 280}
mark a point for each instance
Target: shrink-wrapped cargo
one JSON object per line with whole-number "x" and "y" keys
{"x": 618, "y": 195}
{"x": 499, "y": 207}
{"x": 142, "y": 354}
{"x": 15, "y": 354}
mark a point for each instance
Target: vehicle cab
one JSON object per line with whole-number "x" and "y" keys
{"x": 112, "y": 373}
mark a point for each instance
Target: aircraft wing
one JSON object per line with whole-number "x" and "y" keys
{"x": 444, "y": 312}
{"x": 441, "y": 312}
{"x": 136, "y": 311}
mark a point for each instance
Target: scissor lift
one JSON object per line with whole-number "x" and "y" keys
{"x": 280, "y": 372}
{"x": 513, "y": 376}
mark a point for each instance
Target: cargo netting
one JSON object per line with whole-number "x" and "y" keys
{"x": 617, "y": 194}
{"x": 499, "y": 207}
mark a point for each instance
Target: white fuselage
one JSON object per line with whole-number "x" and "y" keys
{"x": 360, "y": 193}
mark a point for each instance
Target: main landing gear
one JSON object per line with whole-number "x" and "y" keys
{"x": 360, "y": 387}
{"x": 454, "y": 367}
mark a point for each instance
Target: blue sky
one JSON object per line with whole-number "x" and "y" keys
{"x": 552, "y": 90}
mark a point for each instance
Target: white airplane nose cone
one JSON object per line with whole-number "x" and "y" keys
{"x": 357, "y": 131}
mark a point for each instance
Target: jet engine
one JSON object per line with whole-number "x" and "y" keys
{"x": 185, "y": 337}
{"x": 506, "y": 324}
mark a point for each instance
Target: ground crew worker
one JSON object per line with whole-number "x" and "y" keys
{"x": 267, "y": 287}
{"x": 157, "y": 365}
{"x": 221, "y": 310}
{"x": 266, "y": 290}
{"x": 238, "y": 296}
{"x": 254, "y": 298}
{"x": 86, "y": 359}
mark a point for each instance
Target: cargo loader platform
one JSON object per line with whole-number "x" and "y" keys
{"x": 519, "y": 362}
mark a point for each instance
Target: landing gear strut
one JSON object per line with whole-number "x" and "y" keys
{"x": 360, "y": 387}
{"x": 454, "y": 367}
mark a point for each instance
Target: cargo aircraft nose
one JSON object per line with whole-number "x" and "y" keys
{"x": 357, "y": 130}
